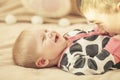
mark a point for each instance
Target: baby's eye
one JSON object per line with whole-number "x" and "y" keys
{"x": 93, "y": 21}
{"x": 46, "y": 30}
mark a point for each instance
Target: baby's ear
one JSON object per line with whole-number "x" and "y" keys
{"x": 118, "y": 6}
{"x": 42, "y": 62}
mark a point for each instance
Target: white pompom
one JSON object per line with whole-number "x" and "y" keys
{"x": 10, "y": 19}
{"x": 64, "y": 22}
{"x": 37, "y": 20}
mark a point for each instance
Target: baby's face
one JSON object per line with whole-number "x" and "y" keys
{"x": 106, "y": 22}
{"x": 49, "y": 44}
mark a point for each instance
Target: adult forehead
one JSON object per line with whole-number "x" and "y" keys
{"x": 90, "y": 14}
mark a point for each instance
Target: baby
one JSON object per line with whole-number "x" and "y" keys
{"x": 79, "y": 52}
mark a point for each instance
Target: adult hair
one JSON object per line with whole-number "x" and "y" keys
{"x": 22, "y": 53}
{"x": 105, "y": 6}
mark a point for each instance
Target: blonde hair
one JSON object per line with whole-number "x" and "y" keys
{"x": 105, "y": 6}
{"x": 22, "y": 53}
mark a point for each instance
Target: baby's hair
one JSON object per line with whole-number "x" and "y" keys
{"x": 107, "y": 6}
{"x": 22, "y": 53}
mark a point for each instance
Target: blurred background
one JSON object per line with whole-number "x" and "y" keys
{"x": 51, "y": 11}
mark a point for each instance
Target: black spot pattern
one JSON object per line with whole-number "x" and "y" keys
{"x": 108, "y": 65}
{"x": 80, "y": 31}
{"x": 80, "y": 55}
{"x": 79, "y": 73}
{"x": 117, "y": 65}
{"x": 91, "y": 38}
{"x": 64, "y": 61}
{"x": 104, "y": 54}
{"x": 105, "y": 41}
{"x": 92, "y": 50}
{"x": 91, "y": 31}
{"x": 76, "y": 47}
{"x": 92, "y": 64}
{"x": 75, "y": 40}
{"x": 68, "y": 66}
{"x": 80, "y": 62}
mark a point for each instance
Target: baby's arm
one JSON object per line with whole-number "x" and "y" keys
{"x": 113, "y": 47}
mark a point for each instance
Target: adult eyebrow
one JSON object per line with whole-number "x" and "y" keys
{"x": 91, "y": 21}
{"x": 95, "y": 22}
